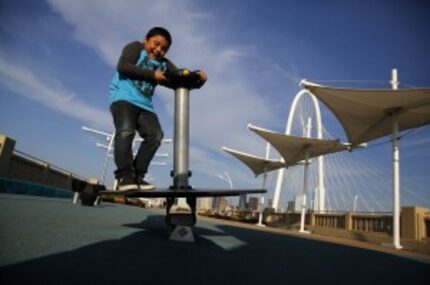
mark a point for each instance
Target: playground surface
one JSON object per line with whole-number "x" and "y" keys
{"x": 50, "y": 240}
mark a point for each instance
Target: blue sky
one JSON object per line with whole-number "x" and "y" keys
{"x": 58, "y": 57}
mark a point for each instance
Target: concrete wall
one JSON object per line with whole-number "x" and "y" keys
{"x": 413, "y": 221}
{"x": 20, "y": 166}
{"x": 7, "y": 146}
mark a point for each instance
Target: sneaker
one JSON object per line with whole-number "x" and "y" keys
{"x": 143, "y": 185}
{"x": 126, "y": 184}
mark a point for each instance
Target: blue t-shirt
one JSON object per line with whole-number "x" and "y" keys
{"x": 136, "y": 92}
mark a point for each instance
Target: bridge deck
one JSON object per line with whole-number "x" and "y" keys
{"x": 51, "y": 241}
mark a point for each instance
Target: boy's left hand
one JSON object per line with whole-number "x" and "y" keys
{"x": 160, "y": 76}
{"x": 202, "y": 75}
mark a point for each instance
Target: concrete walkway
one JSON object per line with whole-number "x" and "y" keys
{"x": 51, "y": 241}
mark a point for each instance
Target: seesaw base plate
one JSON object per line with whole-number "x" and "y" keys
{"x": 182, "y": 234}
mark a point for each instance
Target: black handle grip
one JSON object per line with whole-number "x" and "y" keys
{"x": 184, "y": 78}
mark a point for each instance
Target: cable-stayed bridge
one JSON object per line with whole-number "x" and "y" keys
{"x": 359, "y": 180}
{"x": 356, "y": 180}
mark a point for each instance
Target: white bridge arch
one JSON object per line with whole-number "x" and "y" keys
{"x": 319, "y": 202}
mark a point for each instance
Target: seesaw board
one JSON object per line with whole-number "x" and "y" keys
{"x": 179, "y": 193}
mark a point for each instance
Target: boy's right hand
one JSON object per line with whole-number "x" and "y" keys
{"x": 159, "y": 76}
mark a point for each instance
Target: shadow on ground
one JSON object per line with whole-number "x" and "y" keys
{"x": 221, "y": 254}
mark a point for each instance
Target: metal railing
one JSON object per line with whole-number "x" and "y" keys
{"x": 371, "y": 223}
{"x": 330, "y": 220}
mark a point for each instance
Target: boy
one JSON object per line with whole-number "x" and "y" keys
{"x": 141, "y": 67}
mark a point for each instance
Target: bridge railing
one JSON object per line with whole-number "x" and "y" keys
{"x": 18, "y": 165}
{"x": 328, "y": 220}
{"x": 362, "y": 221}
{"x": 415, "y": 222}
{"x": 372, "y": 223}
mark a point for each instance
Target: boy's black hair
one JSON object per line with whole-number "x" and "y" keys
{"x": 159, "y": 31}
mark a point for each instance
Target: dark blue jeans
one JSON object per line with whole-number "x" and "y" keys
{"x": 128, "y": 119}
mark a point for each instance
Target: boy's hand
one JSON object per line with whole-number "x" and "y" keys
{"x": 202, "y": 75}
{"x": 159, "y": 76}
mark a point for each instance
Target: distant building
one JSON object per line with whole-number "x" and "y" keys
{"x": 253, "y": 204}
{"x": 204, "y": 203}
{"x": 223, "y": 204}
{"x": 220, "y": 203}
{"x": 290, "y": 206}
{"x": 242, "y": 202}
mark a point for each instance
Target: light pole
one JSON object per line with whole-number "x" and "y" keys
{"x": 355, "y": 203}
{"x": 227, "y": 179}
{"x": 109, "y": 149}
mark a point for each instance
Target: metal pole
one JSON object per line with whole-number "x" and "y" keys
{"x": 355, "y": 203}
{"x": 181, "y": 139}
{"x": 260, "y": 216}
{"x": 305, "y": 180}
{"x": 109, "y": 148}
{"x": 305, "y": 187}
{"x": 394, "y": 80}
{"x": 230, "y": 181}
{"x": 396, "y": 169}
{"x": 396, "y": 184}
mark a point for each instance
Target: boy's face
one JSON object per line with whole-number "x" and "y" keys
{"x": 156, "y": 46}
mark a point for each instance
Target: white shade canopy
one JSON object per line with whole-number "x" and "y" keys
{"x": 293, "y": 149}
{"x": 368, "y": 114}
{"x": 365, "y": 113}
{"x": 258, "y": 165}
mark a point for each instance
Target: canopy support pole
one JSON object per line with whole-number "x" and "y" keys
{"x": 305, "y": 179}
{"x": 396, "y": 168}
{"x": 396, "y": 183}
{"x": 261, "y": 198}
{"x": 304, "y": 194}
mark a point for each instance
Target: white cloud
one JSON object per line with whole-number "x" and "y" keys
{"x": 222, "y": 109}
{"x": 107, "y": 25}
{"x": 50, "y": 93}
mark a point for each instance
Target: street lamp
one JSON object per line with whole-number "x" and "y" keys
{"x": 109, "y": 149}
{"x": 355, "y": 203}
{"x": 227, "y": 179}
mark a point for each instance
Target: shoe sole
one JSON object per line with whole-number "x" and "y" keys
{"x": 126, "y": 188}
{"x": 147, "y": 188}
